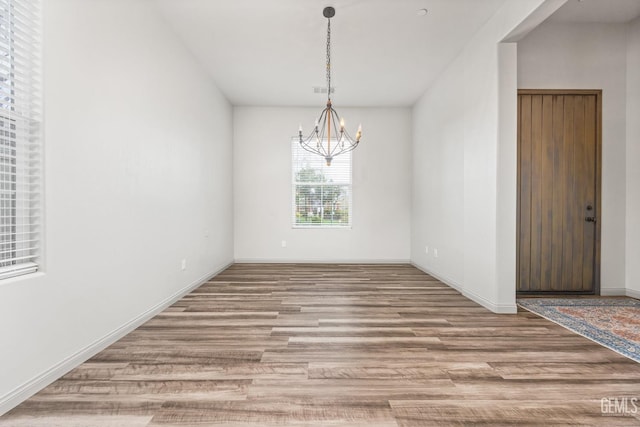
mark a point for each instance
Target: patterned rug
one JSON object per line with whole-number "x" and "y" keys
{"x": 611, "y": 322}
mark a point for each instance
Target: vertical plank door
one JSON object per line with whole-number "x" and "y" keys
{"x": 558, "y": 191}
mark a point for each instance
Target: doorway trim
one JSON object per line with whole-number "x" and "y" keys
{"x": 598, "y": 224}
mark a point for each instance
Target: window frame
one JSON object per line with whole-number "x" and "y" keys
{"x": 21, "y": 151}
{"x": 295, "y": 147}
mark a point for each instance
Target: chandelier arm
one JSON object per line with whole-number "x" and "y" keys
{"x": 346, "y": 149}
{"x": 345, "y": 142}
{"x": 350, "y": 148}
{"x": 348, "y": 138}
{"x": 311, "y": 146}
{"x": 314, "y": 142}
{"x": 306, "y": 147}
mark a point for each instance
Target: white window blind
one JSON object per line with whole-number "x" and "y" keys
{"x": 321, "y": 193}
{"x": 20, "y": 137}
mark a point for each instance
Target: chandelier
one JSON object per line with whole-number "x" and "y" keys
{"x": 329, "y": 138}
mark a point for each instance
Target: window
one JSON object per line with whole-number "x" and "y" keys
{"x": 20, "y": 118}
{"x": 321, "y": 193}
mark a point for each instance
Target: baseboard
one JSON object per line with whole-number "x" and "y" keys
{"x": 447, "y": 281}
{"x": 613, "y": 292}
{"x": 619, "y": 292}
{"x": 633, "y": 293}
{"x": 495, "y": 308}
{"x": 28, "y": 389}
{"x": 319, "y": 261}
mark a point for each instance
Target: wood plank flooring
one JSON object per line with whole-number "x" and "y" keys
{"x": 334, "y": 345}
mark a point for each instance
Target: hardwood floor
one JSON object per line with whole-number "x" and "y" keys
{"x": 374, "y": 345}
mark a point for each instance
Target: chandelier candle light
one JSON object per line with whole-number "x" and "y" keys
{"x": 327, "y": 139}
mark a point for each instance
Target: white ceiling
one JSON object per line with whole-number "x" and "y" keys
{"x": 384, "y": 53}
{"x": 273, "y": 52}
{"x": 606, "y": 11}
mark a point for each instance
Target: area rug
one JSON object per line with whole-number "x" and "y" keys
{"x": 611, "y": 322}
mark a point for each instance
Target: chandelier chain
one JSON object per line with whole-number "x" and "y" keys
{"x": 329, "y": 58}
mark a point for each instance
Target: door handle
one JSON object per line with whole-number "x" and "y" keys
{"x": 591, "y": 219}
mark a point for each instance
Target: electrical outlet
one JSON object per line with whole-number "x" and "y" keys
{"x": 184, "y": 264}
{"x": 435, "y": 253}
{"x": 284, "y": 243}
{"x": 426, "y": 250}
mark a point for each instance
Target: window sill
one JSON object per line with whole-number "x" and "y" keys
{"x": 321, "y": 227}
{"x": 18, "y": 271}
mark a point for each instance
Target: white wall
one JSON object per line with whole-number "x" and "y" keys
{"x": 262, "y": 188}
{"x": 633, "y": 157}
{"x": 438, "y": 180}
{"x": 138, "y": 170}
{"x": 590, "y": 56}
{"x": 463, "y": 153}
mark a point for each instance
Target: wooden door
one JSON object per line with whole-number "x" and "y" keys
{"x": 559, "y": 158}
